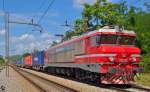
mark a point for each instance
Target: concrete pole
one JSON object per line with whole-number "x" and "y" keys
{"x": 7, "y": 43}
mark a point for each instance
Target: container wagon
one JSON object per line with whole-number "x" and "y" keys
{"x": 38, "y": 60}
{"x": 45, "y": 57}
{"x": 20, "y": 63}
{"x": 27, "y": 60}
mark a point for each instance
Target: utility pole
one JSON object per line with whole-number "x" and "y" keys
{"x": 7, "y": 36}
{"x": 61, "y": 36}
{"x": 7, "y": 43}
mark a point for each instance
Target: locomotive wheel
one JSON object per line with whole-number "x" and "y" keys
{"x": 62, "y": 71}
{"x": 72, "y": 71}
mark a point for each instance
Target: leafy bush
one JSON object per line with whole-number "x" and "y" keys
{"x": 1, "y": 61}
{"x": 145, "y": 62}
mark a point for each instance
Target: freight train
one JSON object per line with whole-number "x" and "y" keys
{"x": 107, "y": 56}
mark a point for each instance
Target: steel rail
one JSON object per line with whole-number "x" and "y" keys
{"x": 55, "y": 84}
{"x": 29, "y": 80}
{"x": 140, "y": 88}
{"x": 132, "y": 88}
{"x": 117, "y": 88}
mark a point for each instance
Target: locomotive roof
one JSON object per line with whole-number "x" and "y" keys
{"x": 105, "y": 29}
{"x": 111, "y": 30}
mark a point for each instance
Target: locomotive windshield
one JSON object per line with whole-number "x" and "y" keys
{"x": 127, "y": 40}
{"x": 114, "y": 39}
{"x": 108, "y": 39}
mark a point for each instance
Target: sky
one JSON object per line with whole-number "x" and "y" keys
{"x": 24, "y": 38}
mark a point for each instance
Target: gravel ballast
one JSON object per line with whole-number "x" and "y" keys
{"x": 81, "y": 87}
{"x": 15, "y": 82}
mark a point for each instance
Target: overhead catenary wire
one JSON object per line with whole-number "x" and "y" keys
{"x": 19, "y": 18}
{"x": 45, "y": 12}
{"x": 39, "y": 8}
{"x": 3, "y": 8}
{"x": 33, "y": 16}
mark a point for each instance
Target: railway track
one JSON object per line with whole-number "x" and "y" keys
{"x": 60, "y": 88}
{"x": 127, "y": 88}
{"x": 43, "y": 84}
{"x": 137, "y": 88}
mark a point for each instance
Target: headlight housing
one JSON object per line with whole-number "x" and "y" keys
{"x": 111, "y": 59}
{"x": 134, "y": 59}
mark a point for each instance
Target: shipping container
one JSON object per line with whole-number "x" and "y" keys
{"x": 20, "y": 63}
{"x": 27, "y": 60}
{"x": 38, "y": 58}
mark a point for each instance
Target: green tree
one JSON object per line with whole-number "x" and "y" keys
{"x": 131, "y": 21}
{"x": 2, "y": 61}
{"x": 78, "y": 27}
{"x": 87, "y": 14}
{"x": 26, "y": 54}
{"x": 97, "y": 15}
{"x": 15, "y": 58}
{"x": 54, "y": 43}
{"x": 142, "y": 28}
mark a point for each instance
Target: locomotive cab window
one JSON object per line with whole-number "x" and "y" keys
{"x": 112, "y": 39}
{"x": 104, "y": 39}
{"x": 108, "y": 39}
{"x": 127, "y": 40}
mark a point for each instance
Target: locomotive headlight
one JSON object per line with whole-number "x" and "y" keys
{"x": 134, "y": 59}
{"x": 111, "y": 59}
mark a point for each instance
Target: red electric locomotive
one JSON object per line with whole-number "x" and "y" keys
{"x": 107, "y": 55}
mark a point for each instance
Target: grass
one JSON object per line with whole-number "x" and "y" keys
{"x": 144, "y": 79}
{"x": 1, "y": 61}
